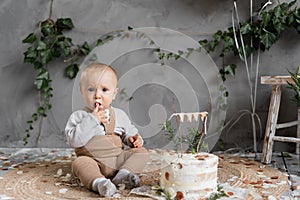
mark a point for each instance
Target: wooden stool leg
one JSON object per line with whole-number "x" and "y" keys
{"x": 271, "y": 124}
{"x": 298, "y": 135}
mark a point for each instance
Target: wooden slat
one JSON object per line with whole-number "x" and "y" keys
{"x": 288, "y": 124}
{"x": 286, "y": 139}
{"x": 271, "y": 124}
{"x": 276, "y": 80}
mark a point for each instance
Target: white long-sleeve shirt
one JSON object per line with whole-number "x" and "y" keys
{"x": 82, "y": 126}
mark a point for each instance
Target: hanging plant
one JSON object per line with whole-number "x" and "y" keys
{"x": 45, "y": 45}
{"x": 50, "y": 43}
{"x": 260, "y": 34}
{"x": 295, "y": 86}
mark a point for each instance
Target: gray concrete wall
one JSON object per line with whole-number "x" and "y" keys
{"x": 197, "y": 19}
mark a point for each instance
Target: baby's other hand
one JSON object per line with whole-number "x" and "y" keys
{"x": 136, "y": 141}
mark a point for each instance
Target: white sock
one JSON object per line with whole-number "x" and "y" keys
{"x": 128, "y": 178}
{"x": 104, "y": 187}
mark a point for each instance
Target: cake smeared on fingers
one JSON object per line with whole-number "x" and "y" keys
{"x": 98, "y": 104}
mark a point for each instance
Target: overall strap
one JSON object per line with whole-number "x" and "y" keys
{"x": 110, "y": 126}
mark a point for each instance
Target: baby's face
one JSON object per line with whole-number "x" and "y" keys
{"x": 99, "y": 88}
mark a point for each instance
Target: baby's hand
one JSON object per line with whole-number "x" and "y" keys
{"x": 100, "y": 113}
{"x": 136, "y": 140}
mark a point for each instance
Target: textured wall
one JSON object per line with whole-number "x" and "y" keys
{"x": 195, "y": 18}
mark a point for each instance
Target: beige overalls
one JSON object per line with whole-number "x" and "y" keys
{"x": 103, "y": 156}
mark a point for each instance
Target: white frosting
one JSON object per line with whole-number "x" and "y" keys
{"x": 192, "y": 175}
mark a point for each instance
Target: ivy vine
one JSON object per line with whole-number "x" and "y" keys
{"x": 259, "y": 34}
{"x": 45, "y": 45}
{"x": 49, "y": 43}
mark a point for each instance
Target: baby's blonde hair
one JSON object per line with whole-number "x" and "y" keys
{"x": 100, "y": 67}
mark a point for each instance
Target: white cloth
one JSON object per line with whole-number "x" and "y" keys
{"x": 82, "y": 126}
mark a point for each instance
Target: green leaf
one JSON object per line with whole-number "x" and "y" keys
{"x": 297, "y": 15}
{"x": 203, "y": 42}
{"x": 222, "y": 88}
{"x": 290, "y": 20}
{"x": 279, "y": 27}
{"x": 34, "y": 117}
{"x": 41, "y": 111}
{"x": 267, "y": 39}
{"x": 151, "y": 42}
{"x": 226, "y": 94}
{"x": 177, "y": 56}
{"x": 41, "y": 45}
{"x": 85, "y": 49}
{"x": 55, "y": 53}
{"x": 47, "y": 27}
{"x": 47, "y": 96}
{"x": 43, "y": 75}
{"x": 67, "y": 51}
{"x": 277, "y": 11}
{"x": 266, "y": 18}
{"x": 72, "y": 70}
{"x": 245, "y": 28}
{"x": 108, "y": 37}
{"x": 292, "y": 3}
{"x": 169, "y": 55}
{"x": 295, "y": 86}
{"x": 298, "y": 70}
{"x": 48, "y": 105}
{"x": 230, "y": 69}
{"x": 248, "y": 51}
{"x": 99, "y": 42}
{"x": 64, "y": 24}
{"x": 39, "y": 83}
{"x": 30, "y": 38}
{"x": 279, "y": 23}
{"x": 65, "y": 47}
{"x": 30, "y": 55}
{"x": 68, "y": 41}
{"x": 218, "y": 36}
{"x": 161, "y": 55}
{"x": 94, "y": 57}
{"x": 46, "y": 56}
{"x": 212, "y": 45}
{"x": 62, "y": 44}
{"x": 37, "y": 65}
{"x": 229, "y": 42}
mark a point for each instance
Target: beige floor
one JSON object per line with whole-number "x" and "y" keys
{"x": 11, "y": 157}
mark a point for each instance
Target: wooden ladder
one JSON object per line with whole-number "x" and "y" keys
{"x": 276, "y": 82}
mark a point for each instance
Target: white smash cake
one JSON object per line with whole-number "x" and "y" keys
{"x": 189, "y": 176}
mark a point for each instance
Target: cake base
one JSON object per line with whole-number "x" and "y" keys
{"x": 189, "y": 176}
